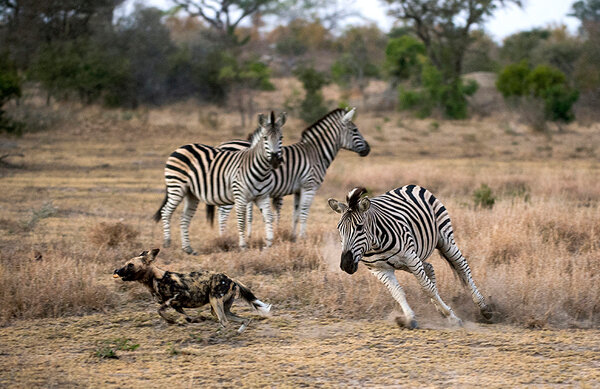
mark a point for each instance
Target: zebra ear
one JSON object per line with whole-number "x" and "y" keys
{"x": 281, "y": 120}
{"x": 262, "y": 121}
{"x": 364, "y": 204}
{"x": 348, "y": 116}
{"x": 337, "y": 206}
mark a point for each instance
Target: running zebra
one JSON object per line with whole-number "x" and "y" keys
{"x": 398, "y": 231}
{"x": 197, "y": 172}
{"x": 305, "y": 164}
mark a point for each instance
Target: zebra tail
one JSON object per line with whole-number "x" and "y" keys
{"x": 249, "y": 297}
{"x": 158, "y": 214}
{"x": 210, "y": 214}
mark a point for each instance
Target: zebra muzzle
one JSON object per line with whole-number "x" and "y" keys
{"x": 347, "y": 263}
{"x": 276, "y": 160}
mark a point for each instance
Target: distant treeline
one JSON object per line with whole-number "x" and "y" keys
{"x": 79, "y": 49}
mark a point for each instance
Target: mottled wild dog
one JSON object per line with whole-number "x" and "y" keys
{"x": 190, "y": 290}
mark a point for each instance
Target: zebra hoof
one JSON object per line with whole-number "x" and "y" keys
{"x": 455, "y": 321}
{"x": 487, "y": 313}
{"x": 410, "y": 324}
{"x": 167, "y": 243}
{"x": 190, "y": 251}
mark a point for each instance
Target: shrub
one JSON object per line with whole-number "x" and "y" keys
{"x": 483, "y": 197}
{"x": 312, "y": 107}
{"x": 10, "y": 88}
{"x": 544, "y": 83}
{"x": 107, "y": 234}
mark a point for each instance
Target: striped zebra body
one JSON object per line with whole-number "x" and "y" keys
{"x": 305, "y": 164}
{"x": 399, "y": 230}
{"x": 197, "y": 172}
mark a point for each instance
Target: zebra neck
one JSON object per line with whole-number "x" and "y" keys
{"x": 258, "y": 156}
{"x": 324, "y": 140}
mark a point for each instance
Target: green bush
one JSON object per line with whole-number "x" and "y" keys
{"x": 10, "y": 88}
{"x": 403, "y": 57}
{"x": 545, "y": 83}
{"x": 450, "y": 98}
{"x": 312, "y": 107}
{"x": 483, "y": 197}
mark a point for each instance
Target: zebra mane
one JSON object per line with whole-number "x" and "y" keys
{"x": 254, "y": 136}
{"x": 354, "y": 196}
{"x": 338, "y": 111}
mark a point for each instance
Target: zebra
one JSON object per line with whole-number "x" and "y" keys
{"x": 305, "y": 164}
{"x": 399, "y": 230}
{"x": 197, "y": 172}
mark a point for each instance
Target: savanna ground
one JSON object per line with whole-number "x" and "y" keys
{"x": 79, "y": 203}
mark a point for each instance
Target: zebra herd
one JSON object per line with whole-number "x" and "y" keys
{"x": 398, "y": 230}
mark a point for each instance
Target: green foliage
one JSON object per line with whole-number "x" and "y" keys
{"x": 451, "y": 98}
{"x": 403, "y": 57}
{"x": 250, "y": 74}
{"x": 82, "y": 67}
{"x": 361, "y": 55}
{"x": 108, "y": 349}
{"x": 481, "y": 54}
{"x": 545, "y": 83}
{"x": 483, "y": 197}
{"x": 10, "y": 88}
{"x": 313, "y": 105}
{"x": 520, "y": 46}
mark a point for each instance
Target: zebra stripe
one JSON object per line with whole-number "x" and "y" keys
{"x": 399, "y": 230}
{"x": 197, "y": 172}
{"x": 305, "y": 164}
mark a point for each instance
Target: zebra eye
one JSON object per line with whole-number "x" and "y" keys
{"x": 359, "y": 227}
{"x": 130, "y": 265}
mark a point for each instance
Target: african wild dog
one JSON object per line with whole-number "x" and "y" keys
{"x": 190, "y": 290}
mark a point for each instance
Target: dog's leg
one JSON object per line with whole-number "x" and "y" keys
{"x": 235, "y": 318}
{"x": 189, "y": 319}
{"x": 163, "y": 307}
{"x": 218, "y": 309}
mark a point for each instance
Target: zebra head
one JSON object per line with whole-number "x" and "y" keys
{"x": 352, "y": 139}
{"x": 271, "y": 137}
{"x": 354, "y": 231}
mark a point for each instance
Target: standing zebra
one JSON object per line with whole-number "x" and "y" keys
{"x": 305, "y": 164}
{"x": 197, "y": 172}
{"x": 398, "y": 231}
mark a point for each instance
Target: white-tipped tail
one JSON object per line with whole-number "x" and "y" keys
{"x": 261, "y": 307}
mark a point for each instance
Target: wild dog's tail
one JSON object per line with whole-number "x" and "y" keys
{"x": 251, "y": 299}
{"x": 158, "y": 214}
{"x": 210, "y": 214}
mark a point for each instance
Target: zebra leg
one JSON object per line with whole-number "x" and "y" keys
{"x": 295, "y": 215}
{"x": 265, "y": 207}
{"x": 458, "y": 262}
{"x": 388, "y": 278}
{"x": 277, "y": 204}
{"x": 249, "y": 220}
{"x": 190, "y": 205}
{"x": 416, "y": 267}
{"x": 306, "y": 199}
{"x": 240, "y": 211}
{"x": 173, "y": 200}
{"x": 223, "y": 211}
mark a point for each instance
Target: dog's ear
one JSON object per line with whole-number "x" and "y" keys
{"x": 143, "y": 253}
{"x": 149, "y": 257}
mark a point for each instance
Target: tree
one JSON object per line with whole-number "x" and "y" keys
{"x": 444, "y": 28}
{"x": 242, "y": 77}
{"x": 482, "y": 54}
{"x": 403, "y": 58}
{"x": 587, "y": 71}
{"x": 362, "y": 49}
{"x": 31, "y": 24}
{"x": 312, "y": 106}
{"x": 10, "y": 88}
{"x": 224, "y": 16}
{"x": 520, "y": 46}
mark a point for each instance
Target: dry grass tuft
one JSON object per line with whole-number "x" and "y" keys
{"x": 112, "y": 234}
{"x": 54, "y": 286}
